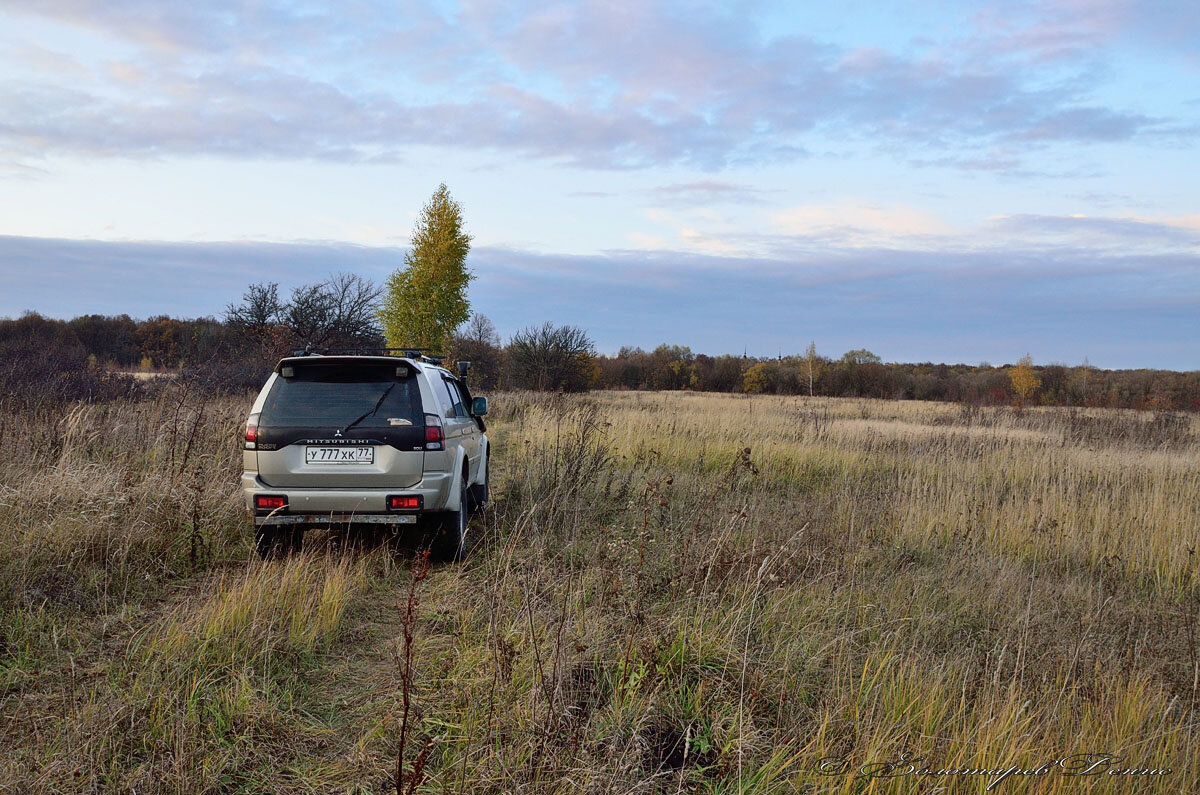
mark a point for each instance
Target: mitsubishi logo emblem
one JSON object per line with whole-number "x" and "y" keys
{"x": 338, "y": 432}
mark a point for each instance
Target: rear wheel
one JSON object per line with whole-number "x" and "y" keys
{"x": 274, "y": 541}
{"x": 450, "y": 541}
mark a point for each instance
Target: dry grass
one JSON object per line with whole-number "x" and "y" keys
{"x": 673, "y": 593}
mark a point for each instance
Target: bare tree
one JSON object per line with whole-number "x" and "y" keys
{"x": 552, "y": 357}
{"x": 477, "y": 342}
{"x": 260, "y": 308}
{"x": 353, "y": 305}
{"x": 340, "y": 311}
{"x": 309, "y": 314}
{"x": 479, "y": 329}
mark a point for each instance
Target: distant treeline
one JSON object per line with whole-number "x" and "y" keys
{"x": 861, "y": 374}
{"x": 94, "y": 357}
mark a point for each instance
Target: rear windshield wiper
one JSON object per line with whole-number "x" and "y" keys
{"x": 378, "y": 403}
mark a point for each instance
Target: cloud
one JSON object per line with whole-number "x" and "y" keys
{"x": 645, "y": 241}
{"x": 591, "y": 84}
{"x": 14, "y": 169}
{"x": 1050, "y": 30}
{"x": 1087, "y": 124}
{"x": 858, "y": 223}
{"x": 1180, "y": 233}
{"x": 706, "y": 193}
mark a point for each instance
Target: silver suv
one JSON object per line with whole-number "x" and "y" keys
{"x": 354, "y": 440}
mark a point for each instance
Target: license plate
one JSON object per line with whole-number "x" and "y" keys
{"x": 339, "y": 455}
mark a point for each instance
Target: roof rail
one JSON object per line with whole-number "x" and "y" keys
{"x": 370, "y": 350}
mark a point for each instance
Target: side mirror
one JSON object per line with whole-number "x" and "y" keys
{"x": 479, "y": 406}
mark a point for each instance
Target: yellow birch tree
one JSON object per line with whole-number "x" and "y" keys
{"x": 1025, "y": 382}
{"x": 426, "y": 300}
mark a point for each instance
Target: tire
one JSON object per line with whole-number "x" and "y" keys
{"x": 275, "y": 542}
{"x": 480, "y": 492}
{"x": 450, "y": 544}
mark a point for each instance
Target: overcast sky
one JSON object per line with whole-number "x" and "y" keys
{"x": 940, "y": 181}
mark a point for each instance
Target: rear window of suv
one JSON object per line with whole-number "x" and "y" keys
{"x": 338, "y": 394}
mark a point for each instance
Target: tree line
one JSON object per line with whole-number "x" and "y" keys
{"x": 94, "y": 356}
{"x": 860, "y": 373}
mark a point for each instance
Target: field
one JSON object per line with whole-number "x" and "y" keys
{"x": 672, "y": 592}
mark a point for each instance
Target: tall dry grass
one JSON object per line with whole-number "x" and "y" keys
{"x": 671, "y": 593}
{"x": 102, "y": 502}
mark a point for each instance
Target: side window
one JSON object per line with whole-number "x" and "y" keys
{"x": 456, "y": 396}
{"x": 445, "y": 396}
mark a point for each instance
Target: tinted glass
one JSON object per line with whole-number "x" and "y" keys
{"x": 444, "y": 395}
{"x": 456, "y": 398}
{"x": 339, "y": 394}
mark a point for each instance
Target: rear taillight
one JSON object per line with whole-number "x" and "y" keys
{"x": 252, "y": 432}
{"x": 433, "y": 432}
{"x": 404, "y": 502}
{"x": 268, "y": 502}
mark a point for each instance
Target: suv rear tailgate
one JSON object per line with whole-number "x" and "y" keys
{"x": 333, "y": 423}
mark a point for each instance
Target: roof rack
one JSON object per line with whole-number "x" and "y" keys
{"x": 411, "y": 353}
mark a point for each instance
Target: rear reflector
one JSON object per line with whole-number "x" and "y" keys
{"x": 265, "y": 502}
{"x": 404, "y": 502}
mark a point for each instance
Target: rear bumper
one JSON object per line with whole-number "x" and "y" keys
{"x": 334, "y": 519}
{"x": 434, "y": 490}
